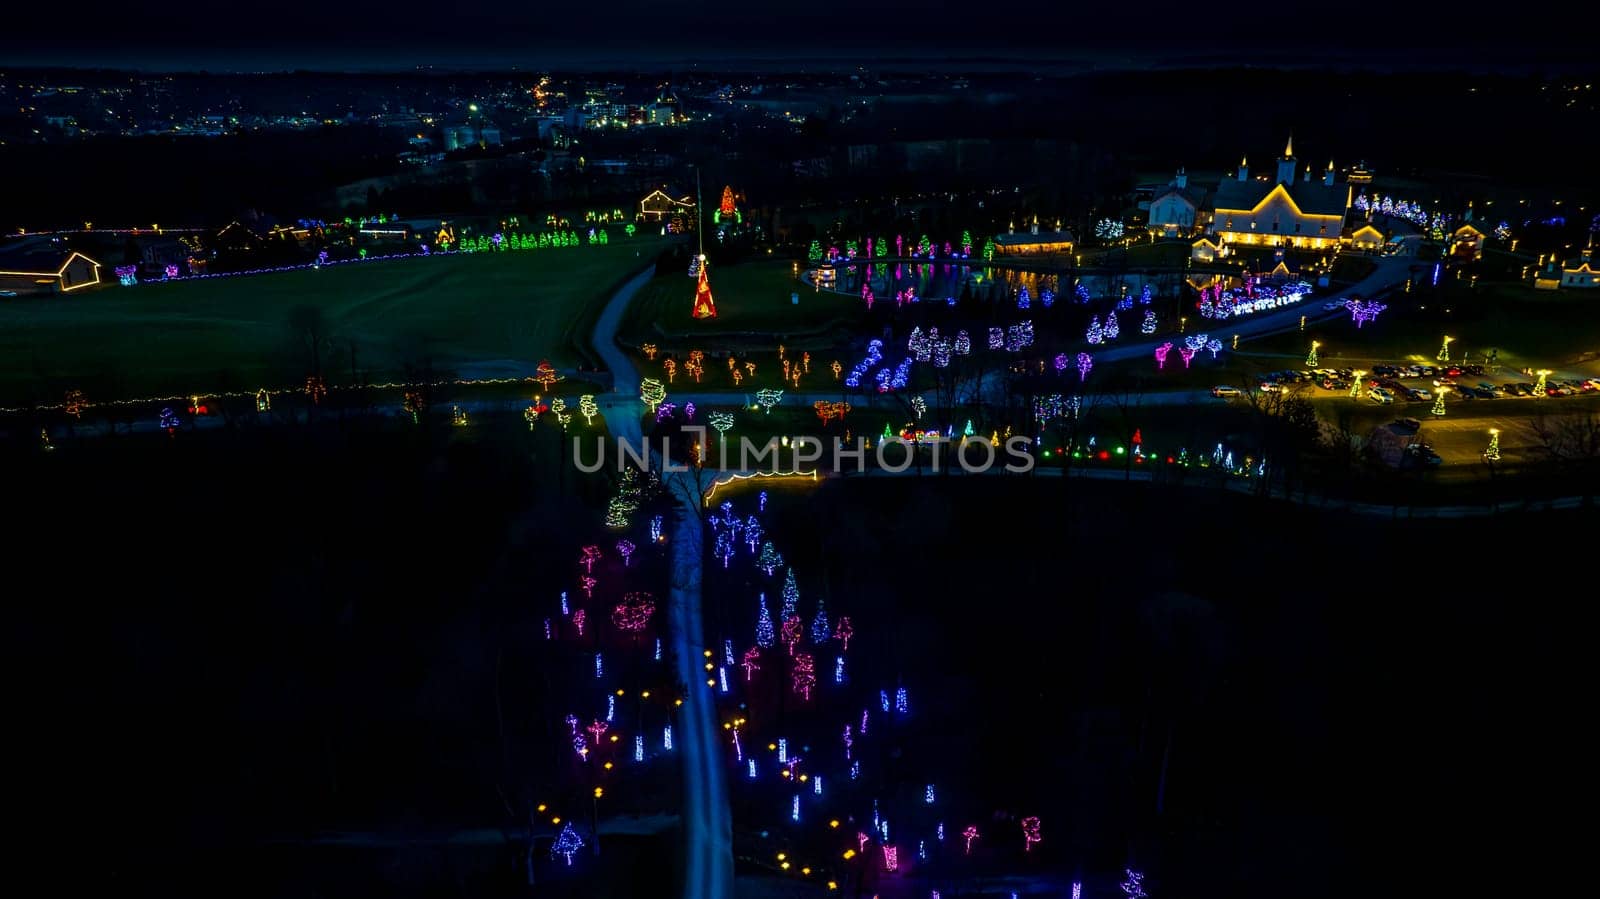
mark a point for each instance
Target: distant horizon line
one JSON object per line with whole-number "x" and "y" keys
{"x": 1056, "y": 64}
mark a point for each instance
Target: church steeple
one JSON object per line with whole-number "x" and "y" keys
{"x": 1286, "y": 164}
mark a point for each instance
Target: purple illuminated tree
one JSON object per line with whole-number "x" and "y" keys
{"x": 1363, "y": 311}
{"x": 1085, "y": 362}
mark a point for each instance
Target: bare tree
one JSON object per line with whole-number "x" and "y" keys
{"x": 1286, "y": 430}
{"x": 1125, "y": 401}
{"x": 1572, "y": 444}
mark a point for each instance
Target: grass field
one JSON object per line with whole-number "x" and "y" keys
{"x": 479, "y": 316}
{"x": 1530, "y": 329}
{"x": 752, "y": 302}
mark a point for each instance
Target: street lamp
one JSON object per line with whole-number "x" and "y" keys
{"x": 1444, "y": 350}
{"x": 598, "y": 792}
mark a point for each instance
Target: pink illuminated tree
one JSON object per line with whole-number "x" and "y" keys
{"x": 633, "y": 613}
{"x": 843, "y": 632}
{"x": 1030, "y": 833}
{"x": 804, "y": 675}
{"x": 792, "y": 631}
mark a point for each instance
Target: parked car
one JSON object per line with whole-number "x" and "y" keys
{"x": 1463, "y": 393}
{"x": 1380, "y": 396}
{"x": 1271, "y": 387}
{"x": 1223, "y": 390}
{"x": 1421, "y": 393}
{"x": 1491, "y": 389}
{"x": 1422, "y": 454}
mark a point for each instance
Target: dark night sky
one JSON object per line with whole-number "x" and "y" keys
{"x": 402, "y": 33}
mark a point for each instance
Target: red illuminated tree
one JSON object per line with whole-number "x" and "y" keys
{"x": 546, "y": 374}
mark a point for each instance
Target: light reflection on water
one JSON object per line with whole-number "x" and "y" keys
{"x": 938, "y": 281}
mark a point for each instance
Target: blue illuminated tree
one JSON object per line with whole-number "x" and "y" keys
{"x": 819, "y": 625}
{"x": 567, "y": 843}
{"x": 791, "y": 596}
{"x": 770, "y": 558}
{"x": 766, "y": 635}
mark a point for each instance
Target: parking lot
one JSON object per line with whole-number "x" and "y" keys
{"x": 1477, "y": 401}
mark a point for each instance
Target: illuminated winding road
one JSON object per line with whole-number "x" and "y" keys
{"x": 707, "y": 819}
